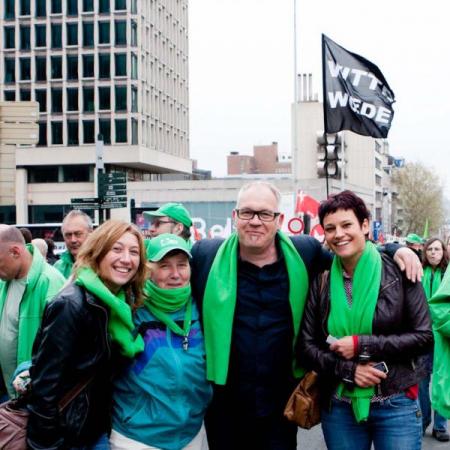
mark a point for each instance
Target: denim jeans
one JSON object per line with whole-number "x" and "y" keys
{"x": 439, "y": 422}
{"x": 393, "y": 424}
{"x": 101, "y": 444}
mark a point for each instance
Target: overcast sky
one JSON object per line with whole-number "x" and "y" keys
{"x": 242, "y": 71}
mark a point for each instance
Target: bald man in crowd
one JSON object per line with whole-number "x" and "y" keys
{"x": 27, "y": 283}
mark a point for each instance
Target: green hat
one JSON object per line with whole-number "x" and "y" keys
{"x": 175, "y": 211}
{"x": 414, "y": 239}
{"x": 159, "y": 246}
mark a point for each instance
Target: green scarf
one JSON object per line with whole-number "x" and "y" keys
{"x": 220, "y": 301}
{"x": 431, "y": 287}
{"x": 120, "y": 323}
{"x": 160, "y": 302}
{"x": 345, "y": 320}
{"x": 440, "y": 313}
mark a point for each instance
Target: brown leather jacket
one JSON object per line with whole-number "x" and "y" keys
{"x": 401, "y": 333}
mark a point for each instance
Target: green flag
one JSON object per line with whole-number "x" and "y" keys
{"x": 425, "y": 229}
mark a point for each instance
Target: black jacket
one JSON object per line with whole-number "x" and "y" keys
{"x": 72, "y": 345}
{"x": 401, "y": 332}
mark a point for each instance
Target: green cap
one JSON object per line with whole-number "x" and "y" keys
{"x": 414, "y": 239}
{"x": 159, "y": 246}
{"x": 175, "y": 211}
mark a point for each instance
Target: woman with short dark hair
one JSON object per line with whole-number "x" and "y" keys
{"x": 363, "y": 329}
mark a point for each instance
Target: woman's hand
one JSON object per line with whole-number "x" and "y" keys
{"x": 366, "y": 375}
{"x": 344, "y": 347}
{"x": 21, "y": 382}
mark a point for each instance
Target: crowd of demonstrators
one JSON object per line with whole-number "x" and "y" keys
{"x": 161, "y": 398}
{"x": 42, "y": 246}
{"x": 364, "y": 328}
{"x": 252, "y": 289}
{"x": 415, "y": 243}
{"x": 75, "y": 228}
{"x": 435, "y": 262}
{"x": 87, "y": 323}
{"x": 27, "y": 284}
{"x": 128, "y": 328}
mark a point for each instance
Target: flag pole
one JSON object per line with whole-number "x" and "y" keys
{"x": 294, "y": 120}
{"x": 324, "y": 113}
{"x": 343, "y": 162}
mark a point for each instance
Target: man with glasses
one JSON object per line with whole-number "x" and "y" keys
{"x": 75, "y": 229}
{"x": 251, "y": 289}
{"x": 171, "y": 218}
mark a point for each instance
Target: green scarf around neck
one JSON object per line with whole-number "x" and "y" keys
{"x": 120, "y": 323}
{"x": 345, "y": 320}
{"x": 161, "y": 302}
{"x": 219, "y": 302}
{"x": 429, "y": 286}
{"x": 439, "y": 305}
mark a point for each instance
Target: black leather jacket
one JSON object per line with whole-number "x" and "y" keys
{"x": 401, "y": 332}
{"x": 72, "y": 345}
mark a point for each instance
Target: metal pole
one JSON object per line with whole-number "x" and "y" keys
{"x": 343, "y": 162}
{"x": 99, "y": 168}
{"x": 294, "y": 120}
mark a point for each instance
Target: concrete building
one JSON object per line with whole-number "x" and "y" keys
{"x": 95, "y": 67}
{"x": 265, "y": 160}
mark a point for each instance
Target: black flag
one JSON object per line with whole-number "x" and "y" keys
{"x": 356, "y": 95}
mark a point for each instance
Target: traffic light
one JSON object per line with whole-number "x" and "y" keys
{"x": 329, "y": 155}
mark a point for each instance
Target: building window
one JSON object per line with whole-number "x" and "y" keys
{"x": 88, "y": 99}
{"x": 76, "y": 174}
{"x": 40, "y": 33}
{"x": 104, "y": 65}
{"x": 134, "y": 62}
{"x": 40, "y": 96}
{"x": 43, "y": 174}
{"x": 88, "y": 5}
{"x": 42, "y": 133}
{"x": 25, "y": 95}
{"x": 56, "y": 67}
{"x": 41, "y": 10}
{"x": 88, "y": 34}
{"x": 56, "y": 100}
{"x": 56, "y": 7}
{"x": 121, "y": 130}
{"x": 72, "y": 132}
{"x": 72, "y": 7}
{"x": 133, "y": 6}
{"x": 72, "y": 67}
{"x": 120, "y": 60}
{"x": 120, "y": 32}
{"x": 25, "y": 68}
{"x": 133, "y": 33}
{"x": 41, "y": 68}
{"x": 121, "y": 98}
{"x": 24, "y": 7}
{"x": 104, "y": 97}
{"x": 134, "y": 132}
{"x": 88, "y": 66}
{"x": 10, "y": 70}
{"x": 57, "y": 133}
{"x": 9, "y": 96}
{"x": 104, "y": 33}
{"x": 9, "y": 9}
{"x": 134, "y": 99}
{"x": 378, "y": 180}
{"x": 104, "y": 126}
{"x": 10, "y": 37}
{"x": 104, "y": 6}
{"x": 72, "y": 99}
{"x": 120, "y": 5}
{"x": 72, "y": 33}
{"x": 56, "y": 35}
{"x": 25, "y": 43}
{"x": 88, "y": 132}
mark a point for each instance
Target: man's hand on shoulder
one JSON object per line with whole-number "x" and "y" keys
{"x": 409, "y": 262}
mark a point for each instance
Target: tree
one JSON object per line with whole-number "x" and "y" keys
{"x": 420, "y": 194}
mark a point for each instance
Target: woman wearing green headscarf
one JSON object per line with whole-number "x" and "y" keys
{"x": 363, "y": 329}
{"x": 161, "y": 398}
{"x": 435, "y": 261}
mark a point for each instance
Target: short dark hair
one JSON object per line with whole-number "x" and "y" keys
{"x": 444, "y": 261}
{"x": 26, "y": 233}
{"x": 346, "y": 200}
{"x": 185, "y": 232}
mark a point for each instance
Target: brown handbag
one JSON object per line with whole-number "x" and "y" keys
{"x": 14, "y": 418}
{"x": 303, "y": 406}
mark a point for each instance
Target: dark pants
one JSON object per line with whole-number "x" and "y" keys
{"x": 229, "y": 427}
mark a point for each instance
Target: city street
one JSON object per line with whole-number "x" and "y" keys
{"x": 313, "y": 440}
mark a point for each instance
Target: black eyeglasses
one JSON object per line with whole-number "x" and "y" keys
{"x": 156, "y": 223}
{"x": 264, "y": 216}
